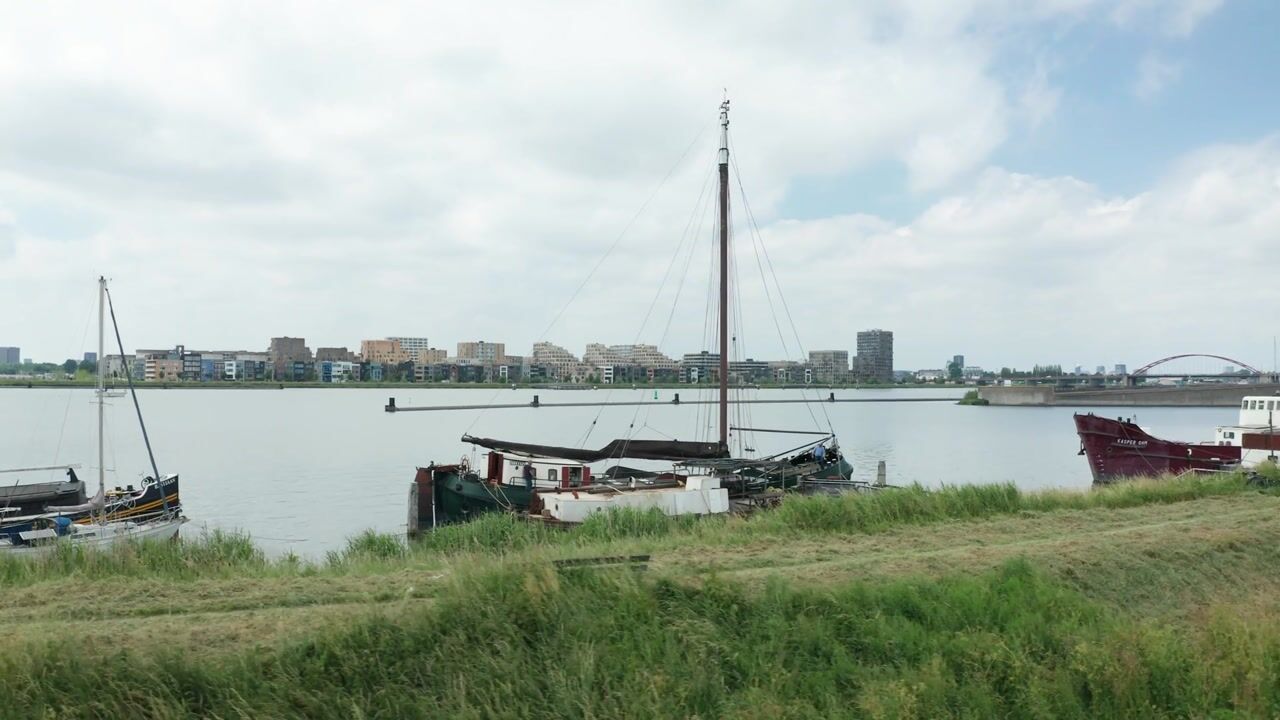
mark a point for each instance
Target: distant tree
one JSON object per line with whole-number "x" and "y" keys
{"x": 69, "y": 367}
{"x": 88, "y": 366}
{"x": 954, "y": 371}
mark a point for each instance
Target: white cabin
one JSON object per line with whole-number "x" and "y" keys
{"x": 1258, "y": 417}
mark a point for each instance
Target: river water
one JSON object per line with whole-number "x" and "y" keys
{"x": 301, "y": 470}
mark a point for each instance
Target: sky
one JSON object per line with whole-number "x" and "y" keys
{"x": 1068, "y": 181}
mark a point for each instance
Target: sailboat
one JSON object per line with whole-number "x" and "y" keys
{"x": 557, "y": 483}
{"x": 107, "y": 519}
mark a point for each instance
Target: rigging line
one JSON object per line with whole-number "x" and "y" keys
{"x": 755, "y": 227}
{"x": 696, "y": 232}
{"x": 773, "y": 312}
{"x": 67, "y": 411}
{"x": 622, "y": 234}
{"x": 164, "y": 496}
{"x": 685, "y": 236}
{"x": 675, "y": 257}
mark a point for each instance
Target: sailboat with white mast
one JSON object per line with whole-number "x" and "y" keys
{"x": 97, "y": 523}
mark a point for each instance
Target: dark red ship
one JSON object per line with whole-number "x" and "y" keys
{"x": 1119, "y": 449}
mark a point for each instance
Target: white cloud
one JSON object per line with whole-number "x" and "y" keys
{"x": 1066, "y": 270}
{"x": 1154, "y": 75}
{"x": 453, "y": 170}
{"x": 1174, "y": 18}
{"x": 1039, "y": 99}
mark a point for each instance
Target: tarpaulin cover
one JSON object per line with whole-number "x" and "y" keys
{"x": 634, "y": 449}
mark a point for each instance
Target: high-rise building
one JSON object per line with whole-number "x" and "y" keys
{"x": 1121, "y": 369}
{"x": 829, "y": 366}
{"x": 412, "y": 346}
{"x": 10, "y": 355}
{"x": 875, "y": 355}
{"x": 1102, "y": 370}
{"x": 958, "y": 360}
{"x": 486, "y": 353}
{"x": 91, "y": 357}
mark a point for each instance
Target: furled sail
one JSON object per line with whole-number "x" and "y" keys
{"x": 94, "y": 504}
{"x": 675, "y": 450}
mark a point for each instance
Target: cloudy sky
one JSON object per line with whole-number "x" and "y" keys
{"x": 1070, "y": 181}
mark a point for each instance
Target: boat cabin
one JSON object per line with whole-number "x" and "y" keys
{"x": 509, "y": 469}
{"x": 1255, "y": 432}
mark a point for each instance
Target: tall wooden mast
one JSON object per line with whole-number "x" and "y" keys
{"x": 724, "y": 274}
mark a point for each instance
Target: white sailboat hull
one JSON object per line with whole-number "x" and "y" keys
{"x": 100, "y": 537}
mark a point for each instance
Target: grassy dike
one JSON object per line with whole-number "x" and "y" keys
{"x": 1153, "y": 599}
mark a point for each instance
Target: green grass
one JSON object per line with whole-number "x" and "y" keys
{"x": 524, "y": 641}
{"x": 220, "y": 554}
{"x": 1161, "y": 619}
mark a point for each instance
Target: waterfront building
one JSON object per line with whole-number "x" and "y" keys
{"x": 700, "y": 367}
{"x": 830, "y": 366}
{"x": 645, "y": 356}
{"x": 875, "y": 356}
{"x": 971, "y": 372}
{"x": 412, "y": 346}
{"x": 335, "y": 354}
{"x": 931, "y": 374}
{"x": 557, "y": 363}
{"x": 786, "y": 371}
{"x": 286, "y": 353}
{"x": 114, "y": 366}
{"x": 600, "y": 356}
{"x": 431, "y": 356}
{"x": 487, "y": 353}
{"x": 336, "y": 371}
{"x": 749, "y": 370}
{"x": 162, "y": 369}
{"x": 10, "y": 355}
{"x": 387, "y": 352}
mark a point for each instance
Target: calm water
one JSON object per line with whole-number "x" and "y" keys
{"x": 303, "y": 469}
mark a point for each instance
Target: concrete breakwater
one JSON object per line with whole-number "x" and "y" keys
{"x": 1181, "y": 396}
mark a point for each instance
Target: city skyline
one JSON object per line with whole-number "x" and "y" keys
{"x": 970, "y": 174}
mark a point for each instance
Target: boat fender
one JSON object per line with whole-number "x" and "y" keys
{"x": 62, "y": 525}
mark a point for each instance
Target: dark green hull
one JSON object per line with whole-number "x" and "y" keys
{"x": 461, "y": 497}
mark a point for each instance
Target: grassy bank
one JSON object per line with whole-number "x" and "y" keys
{"x": 1147, "y": 600}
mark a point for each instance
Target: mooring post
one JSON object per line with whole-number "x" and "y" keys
{"x": 535, "y": 402}
{"x": 880, "y": 474}
{"x": 676, "y": 400}
{"x": 413, "y": 509}
{"x": 391, "y": 405}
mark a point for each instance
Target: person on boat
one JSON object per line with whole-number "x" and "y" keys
{"x": 528, "y": 476}
{"x": 820, "y": 454}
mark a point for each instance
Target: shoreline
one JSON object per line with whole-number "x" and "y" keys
{"x": 272, "y": 385}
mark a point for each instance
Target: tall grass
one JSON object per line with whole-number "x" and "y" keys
{"x": 526, "y": 642}
{"x": 849, "y": 513}
{"x": 211, "y": 554}
{"x": 218, "y": 553}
